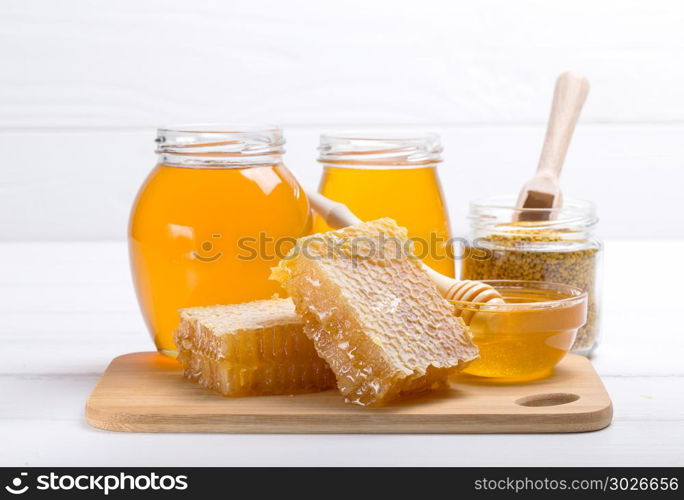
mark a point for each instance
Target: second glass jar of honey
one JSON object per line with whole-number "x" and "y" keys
{"x": 391, "y": 175}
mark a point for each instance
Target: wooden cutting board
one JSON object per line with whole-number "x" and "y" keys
{"x": 145, "y": 392}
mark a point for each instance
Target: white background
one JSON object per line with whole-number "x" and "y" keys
{"x": 83, "y": 84}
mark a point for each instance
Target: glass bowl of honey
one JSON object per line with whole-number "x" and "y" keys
{"x": 525, "y": 337}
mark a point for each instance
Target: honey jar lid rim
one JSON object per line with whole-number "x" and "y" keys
{"x": 380, "y": 148}
{"x": 220, "y": 128}
{"x": 220, "y": 144}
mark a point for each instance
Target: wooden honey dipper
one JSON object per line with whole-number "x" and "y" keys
{"x": 338, "y": 215}
{"x": 542, "y": 193}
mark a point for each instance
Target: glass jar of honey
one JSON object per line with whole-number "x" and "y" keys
{"x": 391, "y": 175}
{"x": 560, "y": 247}
{"x": 215, "y": 214}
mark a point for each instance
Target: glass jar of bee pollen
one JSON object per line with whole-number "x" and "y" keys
{"x": 561, "y": 249}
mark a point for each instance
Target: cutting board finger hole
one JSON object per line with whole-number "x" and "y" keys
{"x": 553, "y": 399}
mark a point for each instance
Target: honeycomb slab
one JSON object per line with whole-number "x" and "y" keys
{"x": 373, "y": 313}
{"x": 253, "y": 348}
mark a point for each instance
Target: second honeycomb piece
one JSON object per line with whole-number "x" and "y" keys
{"x": 373, "y": 313}
{"x": 253, "y": 348}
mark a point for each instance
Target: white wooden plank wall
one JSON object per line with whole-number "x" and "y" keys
{"x": 84, "y": 83}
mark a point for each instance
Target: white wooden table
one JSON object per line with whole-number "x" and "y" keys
{"x": 68, "y": 309}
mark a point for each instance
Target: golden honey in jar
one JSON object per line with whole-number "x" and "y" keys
{"x": 214, "y": 215}
{"x": 391, "y": 175}
{"x": 525, "y": 337}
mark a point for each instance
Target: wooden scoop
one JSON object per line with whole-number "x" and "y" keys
{"x": 543, "y": 190}
{"x": 338, "y": 215}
